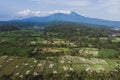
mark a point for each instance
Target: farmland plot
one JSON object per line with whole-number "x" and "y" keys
{"x": 28, "y": 67}
{"x": 2, "y": 58}
{"x": 39, "y": 69}
{"x": 20, "y": 67}
{"x": 7, "y": 63}
{"x": 50, "y": 68}
{"x": 86, "y": 52}
{"x": 9, "y": 68}
{"x": 64, "y": 64}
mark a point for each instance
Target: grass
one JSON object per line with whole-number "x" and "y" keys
{"x": 78, "y": 60}
{"x": 2, "y": 58}
{"x": 5, "y": 62}
{"x": 20, "y": 68}
{"x": 112, "y": 62}
{"x": 9, "y": 68}
{"x": 40, "y": 69}
{"x": 28, "y": 67}
{"x": 104, "y": 53}
{"x": 99, "y": 67}
{"x": 80, "y": 67}
{"x": 64, "y": 49}
{"x": 116, "y": 40}
{"x": 103, "y": 38}
{"x": 64, "y": 64}
{"x": 48, "y": 69}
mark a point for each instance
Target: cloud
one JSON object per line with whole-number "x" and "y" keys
{"x": 61, "y": 11}
{"x": 65, "y": 2}
{"x": 110, "y": 8}
{"x": 114, "y": 7}
{"x": 104, "y": 9}
{"x": 24, "y": 12}
{"x": 28, "y": 12}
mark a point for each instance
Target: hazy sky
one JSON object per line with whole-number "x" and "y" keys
{"x": 104, "y": 9}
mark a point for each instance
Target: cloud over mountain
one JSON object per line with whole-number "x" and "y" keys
{"x": 103, "y": 9}
{"x": 28, "y": 12}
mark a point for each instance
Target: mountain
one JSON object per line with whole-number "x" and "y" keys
{"x": 72, "y": 17}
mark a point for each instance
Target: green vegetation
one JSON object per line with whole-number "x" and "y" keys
{"x": 20, "y": 68}
{"x": 108, "y": 53}
{"x": 63, "y": 51}
{"x": 116, "y": 40}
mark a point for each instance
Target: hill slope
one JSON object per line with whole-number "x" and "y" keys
{"x": 72, "y": 17}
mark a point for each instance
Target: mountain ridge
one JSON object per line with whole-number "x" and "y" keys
{"x": 72, "y": 17}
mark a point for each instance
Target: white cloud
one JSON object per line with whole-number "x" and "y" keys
{"x": 66, "y": 2}
{"x": 24, "y": 12}
{"x": 61, "y": 11}
{"x": 28, "y": 12}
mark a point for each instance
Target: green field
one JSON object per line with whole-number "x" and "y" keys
{"x": 63, "y": 53}
{"x": 18, "y": 67}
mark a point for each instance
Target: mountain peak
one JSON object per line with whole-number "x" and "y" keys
{"x": 70, "y": 17}
{"x": 73, "y": 13}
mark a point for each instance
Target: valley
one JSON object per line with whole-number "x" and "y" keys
{"x": 63, "y": 51}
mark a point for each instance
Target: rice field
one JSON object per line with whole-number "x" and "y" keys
{"x": 89, "y": 51}
{"x": 19, "y": 67}
{"x": 116, "y": 40}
